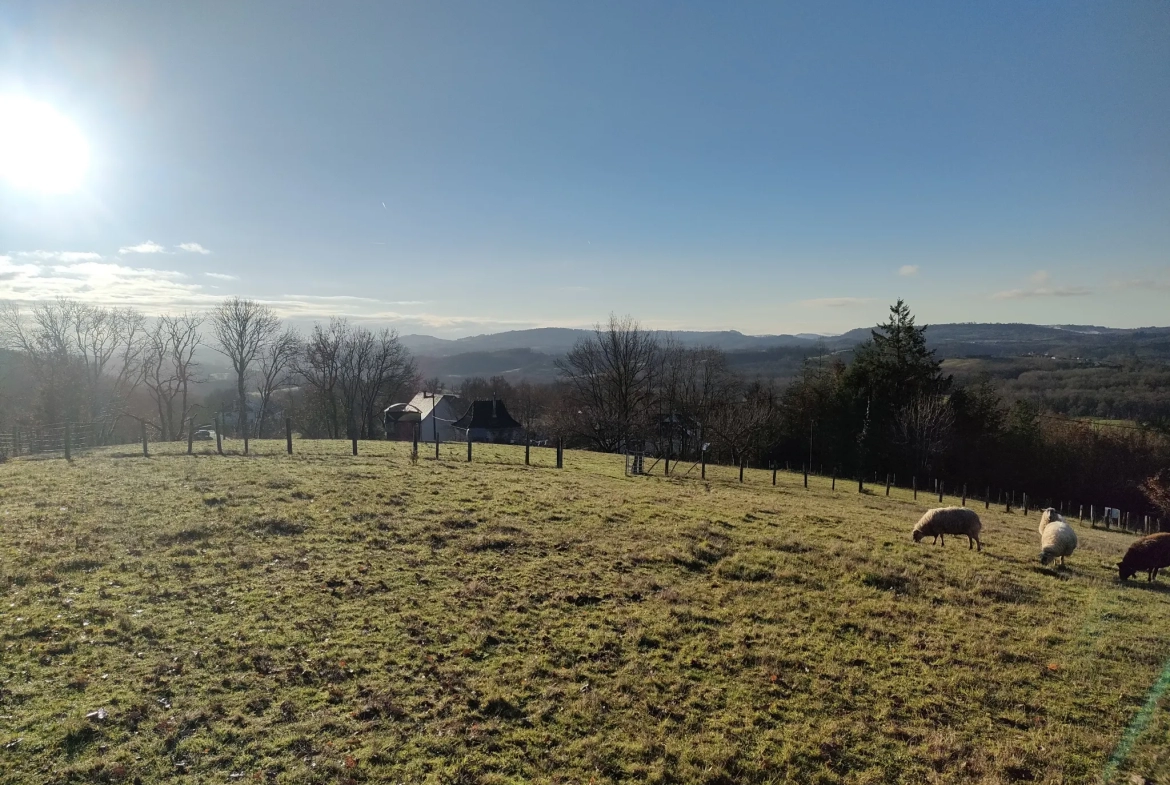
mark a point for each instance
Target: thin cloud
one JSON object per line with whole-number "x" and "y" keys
{"x": 1042, "y": 291}
{"x": 1142, "y": 283}
{"x": 193, "y": 248}
{"x": 836, "y": 302}
{"x": 222, "y": 276}
{"x": 908, "y": 269}
{"x": 1039, "y": 277}
{"x": 104, "y": 283}
{"x": 68, "y": 257}
{"x": 146, "y": 247}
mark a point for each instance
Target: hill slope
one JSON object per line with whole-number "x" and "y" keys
{"x": 325, "y": 618}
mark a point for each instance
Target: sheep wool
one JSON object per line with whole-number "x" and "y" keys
{"x": 949, "y": 520}
{"x": 1047, "y": 516}
{"x": 1057, "y": 538}
{"x": 1150, "y": 554}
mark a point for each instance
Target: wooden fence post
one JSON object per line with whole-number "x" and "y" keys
{"x": 964, "y": 502}
{"x": 560, "y": 452}
{"x": 527, "y": 447}
{"x": 436, "y": 444}
{"x": 914, "y": 482}
{"x": 414, "y": 445}
{"x": 703, "y": 462}
{"x": 887, "y": 483}
{"x": 773, "y": 475}
{"x": 469, "y": 445}
{"x": 806, "y": 476}
{"x": 68, "y": 437}
{"x": 218, "y": 434}
{"x": 666, "y": 464}
{"x": 834, "y": 479}
{"x": 354, "y": 440}
{"x": 940, "y": 490}
{"x": 288, "y": 434}
{"x": 190, "y": 436}
{"x": 987, "y": 499}
{"x": 860, "y": 483}
{"x": 1025, "y": 504}
{"x": 145, "y": 451}
{"x": 741, "y": 463}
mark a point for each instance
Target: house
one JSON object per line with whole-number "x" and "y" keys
{"x": 434, "y": 413}
{"x": 489, "y": 421}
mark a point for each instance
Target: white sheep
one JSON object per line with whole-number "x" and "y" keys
{"x": 949, "y": 520}
{"x": 1057, "y": 538}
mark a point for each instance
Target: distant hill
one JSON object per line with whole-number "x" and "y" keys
{"x": 559, "y": 340}
{"x": 531, "y": 354}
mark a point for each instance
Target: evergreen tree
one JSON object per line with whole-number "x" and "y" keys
{"x": 893, "y": 370}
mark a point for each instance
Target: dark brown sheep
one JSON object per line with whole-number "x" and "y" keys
{"x": 1149, "y": 553}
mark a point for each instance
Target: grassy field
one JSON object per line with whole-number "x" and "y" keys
{"x": 325, "y": 618}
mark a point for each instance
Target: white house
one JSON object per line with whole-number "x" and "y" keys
{"x": 436, "y": 414}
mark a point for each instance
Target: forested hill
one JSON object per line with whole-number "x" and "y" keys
{"x": 531, "y": 354}
{"x": 964, "y": 339}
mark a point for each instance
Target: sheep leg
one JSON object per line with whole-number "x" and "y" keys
{"x": 942, "y": 540}
{"x": 978, "y": 545}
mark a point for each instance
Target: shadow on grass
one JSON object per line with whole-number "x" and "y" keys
{"x": 1144, "y": 585}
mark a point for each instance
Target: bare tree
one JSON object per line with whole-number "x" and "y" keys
{"x": 1157, "y": 490}
{"x": 86, "y": 359}
{"x": 374, "y": 366}
{"x": 170, "y": 368}
{"x": 924, "y": 426}
{"x": 353, "y": 374}
{"x": 745, "y": 420}
{"x": 610, "y": 377}
{"x": 242, "y": 329}
{"x": 319, "y": 364}
{"x": 276, "y": 366}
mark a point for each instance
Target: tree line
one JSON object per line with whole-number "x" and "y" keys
{"x": 75, "y": 362}
{"x": 890, "y": 410}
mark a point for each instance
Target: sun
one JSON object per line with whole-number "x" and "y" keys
{"x": 40, "y": 149}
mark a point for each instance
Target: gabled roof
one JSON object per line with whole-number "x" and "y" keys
{"x": 488, "y": 415}
{"x": 423, "y": 403}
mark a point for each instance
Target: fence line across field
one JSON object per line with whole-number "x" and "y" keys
{"x": 69, "y": 439}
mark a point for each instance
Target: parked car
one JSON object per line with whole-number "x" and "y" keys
{"x": 203, "y": 435}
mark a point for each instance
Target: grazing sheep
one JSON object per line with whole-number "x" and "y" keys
{"x": 949, "y": 520}
{"x": 1057, "y": 538}
{"x": 1150, "y": 553}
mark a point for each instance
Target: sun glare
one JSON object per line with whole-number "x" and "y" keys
{"x": 40, "y": 149}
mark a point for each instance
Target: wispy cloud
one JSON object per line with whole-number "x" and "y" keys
{"x": 103, "y": 283}
{"x": 68, "y": 257}
{"x": 1040, "y": 288}
{"x": 146, "y": 247}
{"x": 222, "y": 276}
{"x": 908, "y": 269}
{"x": 836, "y": 302}
{"x": 1156, "y": 284}
{"x": 193, "y": 248}
{"x": 1042, "y": 291}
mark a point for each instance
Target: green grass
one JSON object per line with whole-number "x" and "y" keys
{"x": 325, "y": 618}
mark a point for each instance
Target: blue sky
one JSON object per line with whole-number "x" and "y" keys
{"x": 456, "y": 168}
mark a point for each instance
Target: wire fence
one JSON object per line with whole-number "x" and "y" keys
{"x": 56, "y": 440}
{"x": 66, "y": 440}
